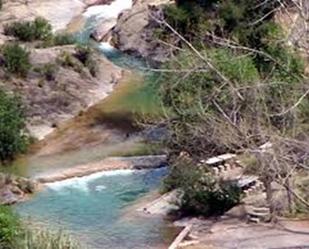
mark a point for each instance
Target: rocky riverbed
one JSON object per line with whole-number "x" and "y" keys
{"x": 68, "y": 90}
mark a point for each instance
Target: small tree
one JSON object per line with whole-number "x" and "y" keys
{"x": 12, "y": 125}
{"x": 16, "y": 59}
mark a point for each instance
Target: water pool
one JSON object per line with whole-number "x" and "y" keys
{"x": 94, "y": 209}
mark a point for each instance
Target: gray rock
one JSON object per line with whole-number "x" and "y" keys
{"x": 7, "y": 197}
{"x": 134, "y": 33}
{"x": 103, "y": 28}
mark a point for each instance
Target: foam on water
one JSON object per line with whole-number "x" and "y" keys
{"x": 81, "y": 183}
{"x": 106, "y": 47}
{"x": 100, "y": 188}
{"x": 99, "y": 217}
{"x": 108, "y": 11}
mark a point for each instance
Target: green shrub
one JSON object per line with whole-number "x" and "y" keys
{"x": 63, "y": 39}
{"x": 10, "y": 228}
{"x": 22, "y": 30}
{"x": 66, "y": 59}
{"x": 39, "y": 29}
{"x": 208, "y": 197}
{"x": 202, "y": 193}
{"x": 12, "y": 124}
{"x": 84, "y": 55}
{"x": 16, "y": 59}
{"x": 42, "y": 29}
{"x": 1, "y": 4}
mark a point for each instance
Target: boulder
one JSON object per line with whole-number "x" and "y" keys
{"x": 13, "y": 189}
{"x": 134, "y": 32}
{"x": 103, "y": 28}
{"x": 7, "y": 197}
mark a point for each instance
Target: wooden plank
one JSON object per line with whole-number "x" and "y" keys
{"x": 180, "y": 237}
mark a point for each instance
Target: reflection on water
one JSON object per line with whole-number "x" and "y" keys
{"x": 34, "y": 166}
{"x": 93, "y": 209}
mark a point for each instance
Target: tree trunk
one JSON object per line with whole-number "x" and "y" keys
{"x": 269, "y": 197}
{"x": 288, "y": 187}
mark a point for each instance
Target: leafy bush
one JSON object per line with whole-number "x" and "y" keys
{"x": 57, "y": 40}
{"x": 229, "y": 19}
{"x": 63, "y": 39}
{"x": 12, "y": 124}
{"x": 66, "y": 59}
{"x": 16, "y": 59}
{"x": 202, "y": 194}
{"x": 84, "y": 55}
{"x": 42, "y": 29}
{"x": 208, "y": 197}
{"x": 39, "y": 29}
{"x": 9, "y": 228}
{"x": 1, "y": 4}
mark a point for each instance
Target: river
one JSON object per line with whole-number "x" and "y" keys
{"x": 94, "y": 208}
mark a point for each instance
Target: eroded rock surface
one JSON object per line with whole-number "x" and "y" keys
{"x": 53, "y": 92}
{"x": 134, "y": 32}
{"x": 58, "y": 12}
{"x": 14, "y": 189}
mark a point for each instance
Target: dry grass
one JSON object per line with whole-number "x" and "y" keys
{"x": 41, "y": 239}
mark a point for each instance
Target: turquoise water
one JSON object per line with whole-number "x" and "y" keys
{"x": 99, "y": 209}
{"x": 117, "y": 57}
{"x": 96, "y": 209}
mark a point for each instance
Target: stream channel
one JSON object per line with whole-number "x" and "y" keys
{"x": 98, "y": 209}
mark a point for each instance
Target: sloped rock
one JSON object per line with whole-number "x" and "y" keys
{"x": 13, "y": 189}
{"x": 69, "y": 90}
{"x": 58, "y": 12}
{"x": 103, "y": 28}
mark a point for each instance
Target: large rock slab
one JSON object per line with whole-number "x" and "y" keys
{"x": 58, "y": 12}
{"x": 72, "y": 89}
{"x": 134, "y": 32}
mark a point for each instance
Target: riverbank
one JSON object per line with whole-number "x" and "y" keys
{"x": 15, "y": 189}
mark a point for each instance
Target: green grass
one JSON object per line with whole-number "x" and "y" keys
{"x": 16, "y": 235}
